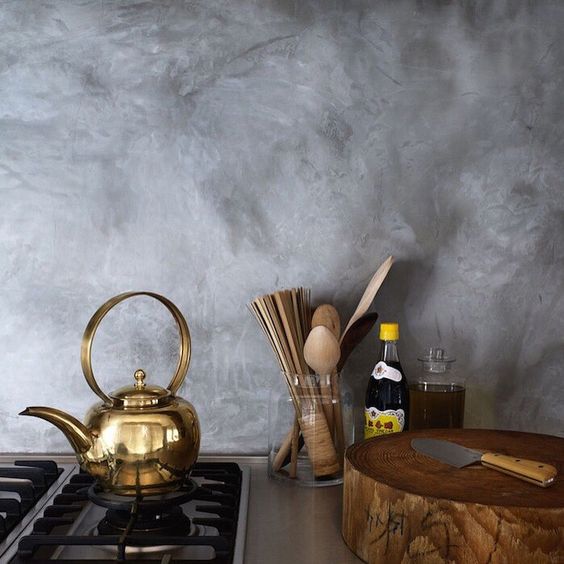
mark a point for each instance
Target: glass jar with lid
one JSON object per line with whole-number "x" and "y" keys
{"x": 437, "y": 396}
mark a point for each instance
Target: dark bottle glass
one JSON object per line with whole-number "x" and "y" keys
{"x": 387, "y": 395}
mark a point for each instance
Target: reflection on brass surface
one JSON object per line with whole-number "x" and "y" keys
{"x": 140, "y": 439}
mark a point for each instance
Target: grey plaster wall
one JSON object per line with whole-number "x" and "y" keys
{"x": 212, "y": 151}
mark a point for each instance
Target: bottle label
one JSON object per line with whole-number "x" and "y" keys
{"x": 382, "y": 370}
{"x": 378, "y": 422}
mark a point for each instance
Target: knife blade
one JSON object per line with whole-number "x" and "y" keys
{"x": 538, "y": 473}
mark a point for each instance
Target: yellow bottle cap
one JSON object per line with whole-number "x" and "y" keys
{"x": 389, "y": 332}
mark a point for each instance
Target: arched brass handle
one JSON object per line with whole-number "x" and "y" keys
{"x": 89, "y": 332}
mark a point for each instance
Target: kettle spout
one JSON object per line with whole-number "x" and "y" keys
{"x": 76, "y": 433}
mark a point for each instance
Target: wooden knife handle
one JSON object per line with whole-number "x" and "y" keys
{"x": 537, "y": 473}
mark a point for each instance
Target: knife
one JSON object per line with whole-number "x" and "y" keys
{"x": 537, "y": 473}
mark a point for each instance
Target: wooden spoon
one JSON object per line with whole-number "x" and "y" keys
{"x": 356, "y": 333}
{"x": 322, "y": 353}
{"x": 321, "y": 350}
{"x": 369, "y": 293}
{"x": 327, "y": 316}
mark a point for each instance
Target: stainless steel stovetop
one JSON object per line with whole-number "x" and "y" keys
{"x": 57, "y": 521}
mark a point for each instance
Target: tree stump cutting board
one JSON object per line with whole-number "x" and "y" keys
{"x": 402, "y": 506}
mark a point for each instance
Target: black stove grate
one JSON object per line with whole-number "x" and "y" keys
{"x": 25, "y": 483}
{"x": 46, "y": 537}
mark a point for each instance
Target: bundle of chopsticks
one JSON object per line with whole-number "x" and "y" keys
{"x": 285, "y": 317}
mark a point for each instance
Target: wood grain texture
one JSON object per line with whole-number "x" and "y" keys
{"x": 356, "y": 333}
{"x": 369, "y": 293}
{"x": 327, "y": 316}
{"x": 401, "y": 506}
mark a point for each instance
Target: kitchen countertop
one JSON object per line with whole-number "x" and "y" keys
{"x": 289, "y": 523}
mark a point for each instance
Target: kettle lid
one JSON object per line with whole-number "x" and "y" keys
{"x": 140, "y": 395}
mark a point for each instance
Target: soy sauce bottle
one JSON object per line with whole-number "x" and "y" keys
{"x": 387, "y": 396}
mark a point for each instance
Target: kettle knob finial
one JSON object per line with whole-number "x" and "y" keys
{"x": 140, "y": 379}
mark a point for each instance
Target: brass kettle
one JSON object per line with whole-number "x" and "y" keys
{"x": 140, "y": 439}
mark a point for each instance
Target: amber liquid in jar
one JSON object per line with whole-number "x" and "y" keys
{"x": 433, "y": 406}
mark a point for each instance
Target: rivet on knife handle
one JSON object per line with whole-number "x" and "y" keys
{"x": 537, "y": 473}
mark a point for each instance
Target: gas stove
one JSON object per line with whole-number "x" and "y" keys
{"x": 55, "y": 512}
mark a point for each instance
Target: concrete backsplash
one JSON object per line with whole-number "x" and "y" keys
{"x": 213, "y": 151}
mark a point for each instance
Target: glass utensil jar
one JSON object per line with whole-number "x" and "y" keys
{"x": 310, "y": 426}
{"x": 436, "y": 399}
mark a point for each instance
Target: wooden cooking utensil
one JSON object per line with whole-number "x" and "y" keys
{"x": 328, "y": 316}
{"x": 290, "y": 452}
{"x": 356, "y": 333}
{"x": 322, "y": 350}
{"x": 322, "y": 353}
{"x": 369, "y": 293}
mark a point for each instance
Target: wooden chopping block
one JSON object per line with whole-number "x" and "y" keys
{"x": 400, "y": 506}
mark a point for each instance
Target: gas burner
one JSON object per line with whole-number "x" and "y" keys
{"x": 155, "y": 502}
{"x": 173, "y": 522}
{"x": 158, "y": 514}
